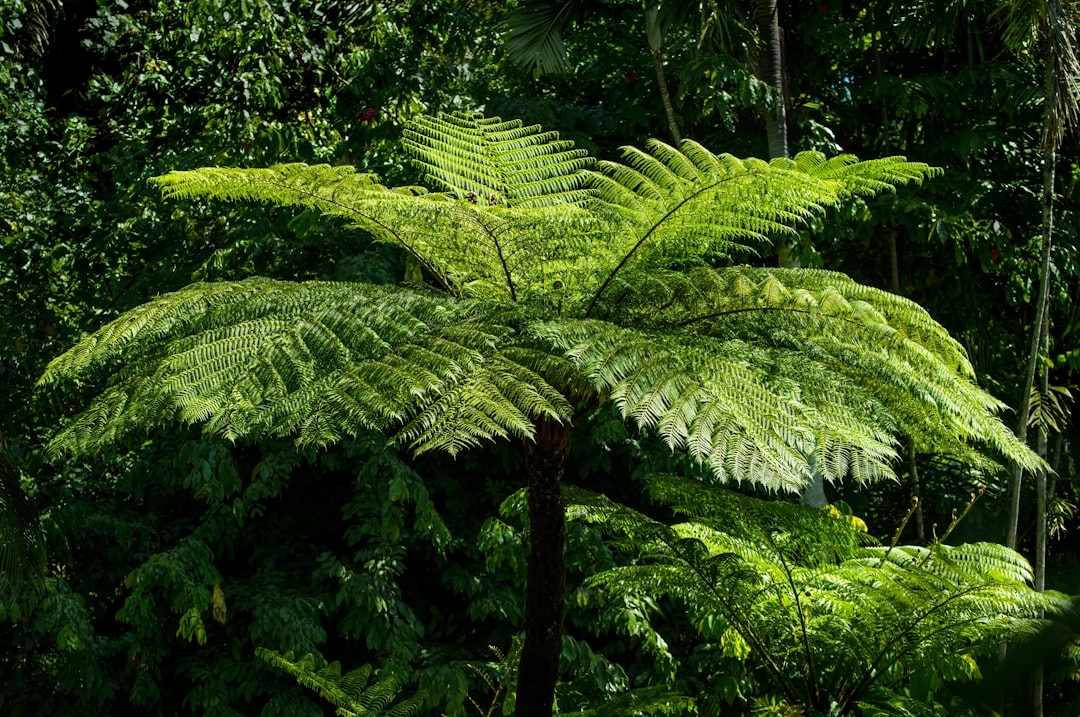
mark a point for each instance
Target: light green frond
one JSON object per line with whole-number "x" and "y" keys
{"x": 497, "y": 235}
{"x": 725, "y": 404}
{"x": 674, "y": 205}
{"x": 356, "y": 693}
{"x": 498, "y": 162}
{"x": 861, "y": 177}
{"x": 400, "y": 216}
{"x": 845, "y": 348}
{"x": 316, "y": 360}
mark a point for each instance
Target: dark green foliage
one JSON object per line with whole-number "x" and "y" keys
{"x": 548, "y": 305}
{"x": 315, "y": 558}
{"x": 22, "y": 546}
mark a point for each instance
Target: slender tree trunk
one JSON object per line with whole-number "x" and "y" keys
{"x": 771, "y": 71}
{"x": 545, "y": 586}
{"x": 655, "y": 36}
{"x": 1043, "y": 298}
{"x": 1040, "y": 518}
{"x": 1041, "y": 319}
{"x": 665, "y": 96}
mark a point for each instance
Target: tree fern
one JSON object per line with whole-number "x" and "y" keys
{"x": 559, "y": 283}
{"x": 356, "y": 693}
{"x": 829, "y": 619}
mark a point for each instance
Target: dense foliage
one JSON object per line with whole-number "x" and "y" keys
{"x": 174, "y": 557}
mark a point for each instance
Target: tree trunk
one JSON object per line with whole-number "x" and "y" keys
{"x": 1050, "y": 140}
{"x": 665, "y": 97}
{"x": 545, "y": 586}
{"x": 771, "y": 72}
{"x": 655, "y": 35}
{"x": 1043, "y": 298}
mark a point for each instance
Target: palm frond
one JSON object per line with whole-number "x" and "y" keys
{"x": 536, "y": 28}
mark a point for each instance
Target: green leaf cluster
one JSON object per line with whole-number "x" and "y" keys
{"x": 824, "y": 617}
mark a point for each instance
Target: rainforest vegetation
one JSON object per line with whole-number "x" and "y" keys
{"x": 470, "y": 357}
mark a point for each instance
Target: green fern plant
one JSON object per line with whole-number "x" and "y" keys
{"x": 356, "y": 693}
{"x": 552, "y": 283}
{"x": 833, "y": 623}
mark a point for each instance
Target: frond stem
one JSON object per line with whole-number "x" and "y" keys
{"x": 812, "y": 686}
{"x": 718, "y": 314}
{"x": 502, "y": 260}
{"x": 350, "y": 209}
{"x": 645, "y": 237}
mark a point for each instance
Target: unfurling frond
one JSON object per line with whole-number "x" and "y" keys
{"x": 319, "y": 360}
{"x": 356, "y": 693}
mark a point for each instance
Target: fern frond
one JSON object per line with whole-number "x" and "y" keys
{"x": 811, "y": 602}
{"x": 318, "y": 360}
{"x": 725, "y": 404}
{"x": 843, "y": 348}
{"x": 499, "y": 162}
{"x": 506, "y": 244}
{"x": 354, "y": 693}
{"x": 701, "y": 396}
{"x": 861, "y": 177}
{"x": 687, "y": 203}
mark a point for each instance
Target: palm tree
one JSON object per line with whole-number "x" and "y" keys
{"x": 554, "y": 284}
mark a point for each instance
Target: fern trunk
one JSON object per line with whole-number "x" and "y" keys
{"x": 545, "y": 587}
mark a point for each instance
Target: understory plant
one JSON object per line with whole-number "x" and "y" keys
{"x": 824, "y": 618}
{"x": 542, "y": 285}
